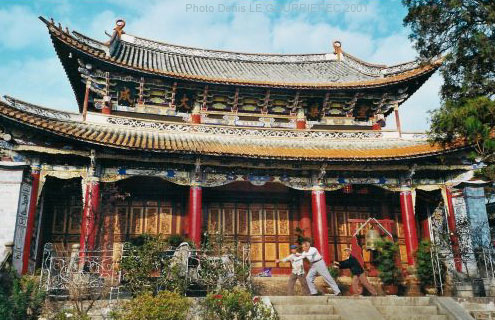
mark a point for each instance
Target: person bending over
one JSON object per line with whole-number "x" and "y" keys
{"x": 358, "y": 274}
{"x": 318, "y": 267}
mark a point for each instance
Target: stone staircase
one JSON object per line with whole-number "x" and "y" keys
{"x": 407, "y": 308}
{"x": 359, "y": 308}
{"x": 479, "y": 308}
{"x": 301, "y": 307}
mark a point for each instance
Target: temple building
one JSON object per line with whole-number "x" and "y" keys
{"x": 257, "y": 149}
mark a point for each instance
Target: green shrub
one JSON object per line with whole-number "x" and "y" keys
{"x": 424, "y": 266}
{"x": 70, "y": 314}
{"x": 215, "y": 275}
{"x": 389, "y": 272}
{"x": 20, "y": 298}
{"x": 236, "y": 304}
{"x": 146, "y": 269}
{"x": 165, "y": 305}
{"x": 334, "y": 272}
{"x": 176, "y": 239}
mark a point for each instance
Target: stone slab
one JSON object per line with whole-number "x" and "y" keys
{"x": 352, "y": 309}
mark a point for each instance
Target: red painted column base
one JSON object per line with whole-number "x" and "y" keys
{"x": 106, "y": 110}
{"x": 195, "y": 214}
{"x": 320, "y": 224}
{"x": 196, "y": 118}
{"x": 409, "y": 225}
{"x": 376, "y": 126}
{"x": 301, "y": 124}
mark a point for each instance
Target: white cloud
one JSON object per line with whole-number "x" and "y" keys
{"x": 40, "y": 81}
{"x": 393, "y": 49}
{"x": 20, "y": 28}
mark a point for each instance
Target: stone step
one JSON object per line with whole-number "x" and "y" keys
{"x": 407, "y": 310}
{"x": 416, "y": 317}
{"x": 401, "y": 301}
{"x": 483, "y": 315}
{"x": 304, "y": 309}
{"x": 298, "y": 300}
{"x": 310, "y": 317}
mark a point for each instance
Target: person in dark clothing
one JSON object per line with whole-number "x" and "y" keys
{"x": 358, "y": 274}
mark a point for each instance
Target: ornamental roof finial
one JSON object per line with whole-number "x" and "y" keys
{"x": 119, "y": 27}
{"x": 337, "y": 49}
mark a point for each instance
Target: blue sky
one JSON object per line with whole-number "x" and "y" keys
{"x": 371, "y": 30}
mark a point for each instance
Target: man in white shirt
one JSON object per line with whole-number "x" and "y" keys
{"x": 318, "y": 266}
{"x": 297, "y": 273}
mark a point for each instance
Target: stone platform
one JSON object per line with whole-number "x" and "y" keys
{"x": 277, "y": 285}
{"x": 367, "y": 308}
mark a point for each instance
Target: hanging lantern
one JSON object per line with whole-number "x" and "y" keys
{"x": 372, "y": 238}
{"x": 347, "y": 188}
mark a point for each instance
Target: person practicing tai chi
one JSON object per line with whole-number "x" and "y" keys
{"x": 318, "y": 267}
{"x": 358, "y": 274}
{"x": 297, "y": 273}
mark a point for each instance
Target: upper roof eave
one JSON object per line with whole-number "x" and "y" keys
{"x": 99, "y": 51}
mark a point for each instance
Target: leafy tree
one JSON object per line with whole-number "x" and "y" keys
{"x": 20, "y": 298}
{"x": 463, "y": 32}
{"x": 473, "y": 120}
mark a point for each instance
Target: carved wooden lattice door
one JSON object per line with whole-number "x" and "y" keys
{"x": 265, "y": 226}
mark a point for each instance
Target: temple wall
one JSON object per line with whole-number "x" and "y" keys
{"x": 10, "y": 188}
{"x": 266, "y": 218}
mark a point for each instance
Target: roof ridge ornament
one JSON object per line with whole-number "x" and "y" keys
{"x": 337, "y": 49}
{"x": 114, "y": 41}
{"x": 118, "y": 31}
{"x": 119, "y": 27}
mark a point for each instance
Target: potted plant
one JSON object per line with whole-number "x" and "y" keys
{"x": 389, "y": 272}
{"x": 424, "y": 268}
{"x": 334, "y": 271}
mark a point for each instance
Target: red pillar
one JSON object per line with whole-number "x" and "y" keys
{"x": 89, "y": 226}
{"x": 409, "y": 225}
{"x": 320, "y": 225}
{"x": 195, "y": 215}
{"x": 452, "y": 230}
{"x": 35, "y": 174}
{"x": 305, "y": 215}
